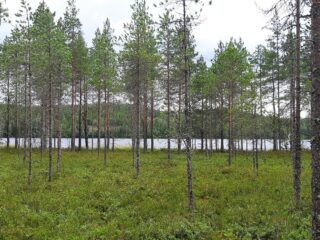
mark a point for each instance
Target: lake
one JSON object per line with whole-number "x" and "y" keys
{"x": 159, "y": 143}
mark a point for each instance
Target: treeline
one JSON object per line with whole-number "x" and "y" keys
{"x": 78, "y": 91}
{"x": 121, "y": 125}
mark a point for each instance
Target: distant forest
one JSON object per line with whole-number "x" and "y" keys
{"x": 120, "y": 124}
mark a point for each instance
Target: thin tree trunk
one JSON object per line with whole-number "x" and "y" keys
{"x": 230, "y": 137}
{"x": 222, "y": 125}
{"x": 50, "y": 129}
{"x": 25, "y": 135}
{"x": 278, "y": 95}
{"x": 138, "y": 114}
{"x": 80, "y": 116}
{"x": 42, "y": 127}
{"x": 179, "y": 116}
{"x": 59, "y": 129}
{"x": 145, "y": 118}
{"x": 133, "y": 142}
{"x": 17, "y": 125}
{"x": 260, "y": 96}
{"x": 73, "y": 106}
{"x": 85, "y": 113}
{"x": 202, "y": 125}
{"x": 30, "y": 119}
{"x": 168, "y": 107}
{"x": 99, "y": 121}
{"x": 152, "y": 119}
{"x": 297, "y": 145}
{"x": 187, "y": 106}
{"x": 274, "y": 131}
{"x": 108, "y": 120}
{"x": 138, "y": 122}
{"x": 105, "y": 132}
{"x": 8, "y": 110}
{"x": 211, "y": 126}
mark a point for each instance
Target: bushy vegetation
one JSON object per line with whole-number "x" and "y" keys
{"x": 90, "y": 201}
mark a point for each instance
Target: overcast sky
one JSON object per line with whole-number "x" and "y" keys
{"x": 221, "y": 21}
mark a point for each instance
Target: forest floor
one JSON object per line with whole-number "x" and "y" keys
{"x": 90, "y": 201}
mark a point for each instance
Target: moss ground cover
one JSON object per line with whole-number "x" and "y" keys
{"x": 90, "y": 201}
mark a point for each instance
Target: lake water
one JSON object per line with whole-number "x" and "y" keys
{"x": 158, "y": 143}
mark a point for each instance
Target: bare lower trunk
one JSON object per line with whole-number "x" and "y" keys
{"x": 17, "y": 125}
{"x": 278, "y": 95}
{"x": 25, "y": 134}
{"x": 179, "y": 117}
{"x": 99, "y": 122}
{"x": 222, "y": 125}
{"x": 137, "y": 142}
{"x": 105, "y": 134}
{"x": 145, "y": 119}
{"x": 59, "y": 129}
{"x": 80, "y": 116}
{"x": 152, "y": 120}
{"x": 133, "y": 143}
{"x": 30, "y": 121}
{"x": 202, "y": 125}
{"x": 230, "y": 137}
{"x": 168, "y": 105}
{"x": 73, "y": 108}
{"x": 8, "y": 111}
{"x": 85, "y": 113}
{"x": 50, "y": 130}
{"x": 274, "y": 121}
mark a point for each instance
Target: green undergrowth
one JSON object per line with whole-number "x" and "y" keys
{"x": 90, "y": 201}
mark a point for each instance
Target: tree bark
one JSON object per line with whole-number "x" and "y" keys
{"x": 25, "y": 134}
{"x": 17, "y": 125}
{"x": 168, "y": 105}
{"x": 278, "y": 95}
{"x": 80, "y": 115}
{"x": 230, "y": 137}
{"x": 152, "y": 119}
{"x": 297, "y": 145}
{"x": 221, "y": 124}
{"x": 315, "y": 117}
{"x": 105, "y": 132}
{"x": 73, "y": 106}
{"x": 85, "y": 113}
{"x": 30, "y": 118}
{"x": 179, "y": 115}
{"x": 8, "y": 110}
{"x": 59, "y": 129}
{"x": 99, "y": 121}
{"x": 274, "y": 122}
{"x": 145, "y": 117}
{"x": 50, "y": 129}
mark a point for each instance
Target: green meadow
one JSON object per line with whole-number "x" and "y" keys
{"x": 88, "y": 200}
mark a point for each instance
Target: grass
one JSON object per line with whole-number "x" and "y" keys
{"x": 90, "y": 201}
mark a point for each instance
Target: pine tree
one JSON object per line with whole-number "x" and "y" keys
{"x": 72, "y": 29}
{"x": 104, "y": 72}
{"x": 138, "y": 61}
{"x": 167, "y": 50}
